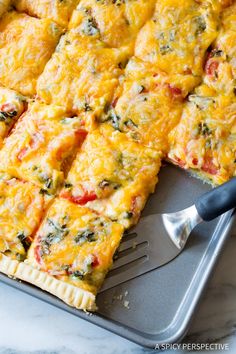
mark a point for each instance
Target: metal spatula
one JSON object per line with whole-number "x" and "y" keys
{"x": 159, "y": 238}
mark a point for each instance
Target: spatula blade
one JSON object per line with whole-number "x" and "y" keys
{"x": 152, "y": 247}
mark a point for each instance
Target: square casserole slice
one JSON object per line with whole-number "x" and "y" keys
{"x": 112, "y": 175}
{"x": 204, "y": 141}
{"x": 57, "y": 10}
{"x": 70, "y": 255}
{"x": 179, "y": 32}
{"x": 41, "y": 146}
{"x": 26, "y": 44}
{"x": 82, "y": 73}
{"x": 12, "y": 105}
{"x": 147, "y": 106}
{"x": 21, "y": 210}
{"x": 116, "y": 23}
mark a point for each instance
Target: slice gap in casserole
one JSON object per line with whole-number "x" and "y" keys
{"x": 42, "y": 145}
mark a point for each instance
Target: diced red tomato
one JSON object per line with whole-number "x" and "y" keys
{"x": 195, "y": 161}
{"x": 22, "y": 153}
{"x": 209, "y": 166}
{"x": 36, "y": 137}
{"x": 81, "y": 135}
{"x": 175, "y": 92}
{"x": 134, "y": 206}
{"x": 37, "y": 254}
{"x": 114, "y": 102}
{"x": 95, "y": 261}
{"x": 188, "y": 71}
{"x": 32, "y": 145}
{"x": 7, "y": 107}
{"x": 211, "y": 67}
{"x": 82, "y": 199}
{"x": 178, "y": 161}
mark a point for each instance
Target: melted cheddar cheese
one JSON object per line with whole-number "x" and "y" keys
{"x": 140, "y": 105}
{"x": 21, "y": 209}
{"x": 75, "y": 244}
{"x": 56, "y": 10}
{"x": 26, "y": 44}
{"x": 12, "y": 105}
{"x": 112, "y": 175}
{"x": 82, "y": 74}
{"x": 177, "y": 37}
{"x": 41, "y": 146}
{"x": 115, "y": 22}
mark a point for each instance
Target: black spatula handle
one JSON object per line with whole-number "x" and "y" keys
{"x": 217, "y": 201}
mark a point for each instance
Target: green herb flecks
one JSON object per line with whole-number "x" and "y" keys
{"x": 85, "y": 236}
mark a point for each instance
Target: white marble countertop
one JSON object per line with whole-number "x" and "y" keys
{"x": 30, "y": 326}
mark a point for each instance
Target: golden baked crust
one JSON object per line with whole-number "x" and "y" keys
{"x": 71, "y": 295}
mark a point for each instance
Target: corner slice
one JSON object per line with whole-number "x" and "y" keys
{"x": 75, "y": 245}
{"x": 204, "y": 140}
{"x": 26, "y": 44}
{"x": 178, "y": 35}
{"x": 70, "y": 294}
{"x": 41, "y": 146}
{"x": 21, "y": 209}
{"x": 112, "y": 175}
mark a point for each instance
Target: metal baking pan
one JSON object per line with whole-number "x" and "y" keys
{"x": 160, "y": 304}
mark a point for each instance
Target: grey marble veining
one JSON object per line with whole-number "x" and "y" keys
{"x": 29, "y": 326}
